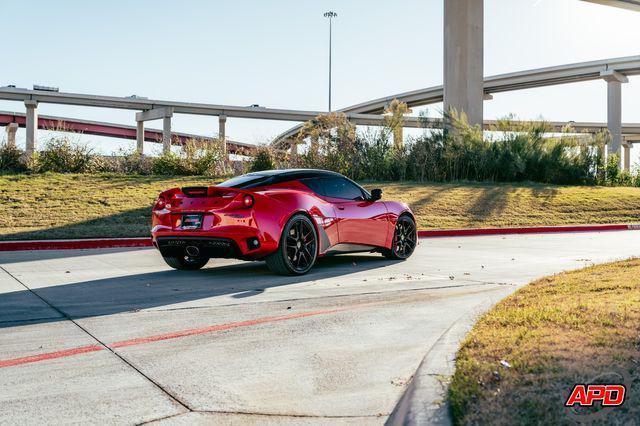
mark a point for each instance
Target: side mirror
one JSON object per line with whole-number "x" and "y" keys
{"x": 376, "y": 194}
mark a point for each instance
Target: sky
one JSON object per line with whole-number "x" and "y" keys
{"x": 275, "y": 53}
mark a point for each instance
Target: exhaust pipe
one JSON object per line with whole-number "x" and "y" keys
{"x": 192, "y": 251}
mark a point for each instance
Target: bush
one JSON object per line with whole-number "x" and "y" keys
{"x": 513, "y": 153}
{"x": 198, "y": 157}
{"x": 62, "y": 156}
{"x": 263, "y": 160}
{"x": 125, "y": 162}
{"x": 11, "y": 159}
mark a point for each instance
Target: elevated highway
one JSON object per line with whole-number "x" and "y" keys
{"x": 528, "y": 79}
{"x": 13, "y": 120}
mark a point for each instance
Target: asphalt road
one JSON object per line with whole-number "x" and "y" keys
{"x": 115, "y": 336}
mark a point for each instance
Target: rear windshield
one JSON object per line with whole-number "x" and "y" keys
{"x": 245, "y": 181}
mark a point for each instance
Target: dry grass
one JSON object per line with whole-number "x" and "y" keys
{"x": 89, "y": 205}
{"x": 479, "y": 205}
{"x": 81, "y": 206}
{"x": 555, "y": 332}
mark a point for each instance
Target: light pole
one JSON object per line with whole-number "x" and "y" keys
{"x": 330, "y": 15}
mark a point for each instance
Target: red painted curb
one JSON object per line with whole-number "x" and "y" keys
{"x": 525, "y": 230}
{"x": 431, "y": 233}
{"x": 74, "y": 244}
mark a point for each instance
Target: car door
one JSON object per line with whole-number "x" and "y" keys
{"x": 359, "y": 221}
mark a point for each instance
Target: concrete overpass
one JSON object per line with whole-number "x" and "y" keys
{"x": 150, "y": 109}
{"x": 464, "y": 56}
{"x": 13, "y": 120}
{"x": 614, "y": 71}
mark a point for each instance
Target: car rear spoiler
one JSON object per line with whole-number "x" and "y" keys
{"x": 211, "y": 191}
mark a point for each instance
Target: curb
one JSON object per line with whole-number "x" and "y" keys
{"x": 75, "y": 244}
{"x": 525, "y": 230}
{"x": 97, "y": 243}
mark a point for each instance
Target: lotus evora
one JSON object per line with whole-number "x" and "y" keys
{"x": 287, "y": 218}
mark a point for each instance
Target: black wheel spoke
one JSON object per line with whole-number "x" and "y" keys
{"x": 300, "y": 245}
{"x": 405, "y": 237}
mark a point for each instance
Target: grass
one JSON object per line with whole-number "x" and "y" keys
{"x": 554, "y": 333}
{"x": 89, "y": 205}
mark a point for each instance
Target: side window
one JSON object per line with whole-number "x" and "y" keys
{"x": 337, "y": 187}
{"x": 315, "y": 184}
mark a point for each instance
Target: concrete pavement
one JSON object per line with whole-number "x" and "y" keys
{"x": 114, "y": 336}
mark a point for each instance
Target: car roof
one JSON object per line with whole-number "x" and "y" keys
{"x": 296, "y": 173}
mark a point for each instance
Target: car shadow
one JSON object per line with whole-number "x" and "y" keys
{"x": 162, "y": 288}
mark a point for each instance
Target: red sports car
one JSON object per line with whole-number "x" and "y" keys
{"x": 288, "y": 218}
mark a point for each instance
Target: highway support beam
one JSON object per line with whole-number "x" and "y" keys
{"x": 222, "y": 131}
{"x": 140, "y": 137}
{"x": 11, "y": 129}
{"x": 31, "y": 126}
{"x": 614, "y": 110}
{"x": 155, "y": 114}
{"x": 626, "y": 163}
{"x": 463, "y": 58}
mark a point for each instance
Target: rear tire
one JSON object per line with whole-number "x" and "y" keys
{"x": 186, "y": 263}
{"x": 298, "y": 248}
{"x": 405, "y": 239}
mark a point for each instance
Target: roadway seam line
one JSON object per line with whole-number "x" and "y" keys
{"x": 102, "y": 344}
{"x": 333, "y": 296}
{"x": 251, "y": 413}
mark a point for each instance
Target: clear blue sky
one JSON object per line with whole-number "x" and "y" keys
{"x": 274, "y": 53}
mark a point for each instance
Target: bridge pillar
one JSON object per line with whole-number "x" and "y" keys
{"x": 166, "y": 134}
{"x": 11, "y": 133}
{"x": 140, "y": 137}
{"x": 463, "y": 58}
{"x": 31, "y": 126}
{"x": 614, "y": 110}
{"x": 626, "y": 164}
{"x": 155, "y": 114}
{"x": 222, "y": 131}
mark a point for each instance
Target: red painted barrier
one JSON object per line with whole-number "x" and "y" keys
{"x": 74, "y": 244}
{"x": 525, "y": 230}
{"x": 431, "y": 233}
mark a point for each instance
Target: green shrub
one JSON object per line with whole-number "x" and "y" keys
{"x": 262, "y": 160}
{"x": 125, "y": 162}
{"x": 169, "y": 164}
{"x": 62, "y": 156}
{"x": 11, "y": 159}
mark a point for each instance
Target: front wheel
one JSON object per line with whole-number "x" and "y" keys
{"x": 298, "y": 248}
{"x": 405, "y": 239}
{"x": 188, "y": 263}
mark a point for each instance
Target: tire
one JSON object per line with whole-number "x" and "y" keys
{"x": 405, "y": 239}
{"x": 298, "y": 248}
{"x": 186, "y": 263}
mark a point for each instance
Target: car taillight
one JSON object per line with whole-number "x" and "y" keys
{"x": 247, "y": 201}
{"x": 160, "y": 203}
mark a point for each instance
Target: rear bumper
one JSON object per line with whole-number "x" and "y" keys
{"x": 207, "y": 246}
{"x": 240, "y": 242}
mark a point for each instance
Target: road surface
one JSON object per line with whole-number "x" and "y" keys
{"x": 115, "y": 336}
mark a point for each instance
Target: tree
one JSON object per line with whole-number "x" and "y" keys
{"x": 395, "y": 120}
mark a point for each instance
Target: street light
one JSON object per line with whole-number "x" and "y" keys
{"x": 330, "y": 15}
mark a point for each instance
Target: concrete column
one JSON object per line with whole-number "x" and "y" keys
{"x": 32, "y": 126}
{"x": 463, "y": 58}
{"x": 627, "y": 157}
{"x": 140, "y": 137}
{"x": 11, "y": 133}
{"x": 166, "y": 134}
{"x": 222, "y": 130}
{"x": 614, "y": 110}
{"x": 222, "y": 127}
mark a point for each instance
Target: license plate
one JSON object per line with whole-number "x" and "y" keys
{"x": 191, "y": 221}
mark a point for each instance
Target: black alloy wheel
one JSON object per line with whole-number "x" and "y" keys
{"x": 405, "y": 239}
{"x": 298, "y": 248}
